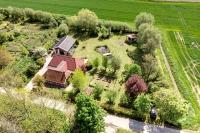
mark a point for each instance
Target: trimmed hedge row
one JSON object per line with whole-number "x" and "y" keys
{"x": 116, "y": 26}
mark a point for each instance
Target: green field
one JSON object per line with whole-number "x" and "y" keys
{"x": 168, "y": 15}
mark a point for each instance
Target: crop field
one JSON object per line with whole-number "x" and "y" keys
{"x": 183, "y": 52}
{"x": 168, "y": 15}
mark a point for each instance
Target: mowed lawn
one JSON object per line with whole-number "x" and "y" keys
{"x": 116, "y": 45}
{"x": 168, "y": 15}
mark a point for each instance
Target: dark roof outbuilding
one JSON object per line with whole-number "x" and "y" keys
{"x": 65, "y": 43}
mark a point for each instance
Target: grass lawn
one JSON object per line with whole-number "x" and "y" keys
{"x": 118, "y": 49}
{"x": 115, "y": 44}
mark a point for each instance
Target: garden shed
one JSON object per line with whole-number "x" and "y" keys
{"x": 131, "y": 38}
{"x": 65, "y": 46}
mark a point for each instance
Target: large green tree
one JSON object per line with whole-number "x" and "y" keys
{"x": 171, "y": 106}
{"x": 149, "y": 39}
{"x": 144, "y": 18}
{"x": 85, "y": 21}
{"x": 89, "y": 116}
{"x": 143, "y": 104}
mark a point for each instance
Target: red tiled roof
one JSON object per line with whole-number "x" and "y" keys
{"x": 61, "y": 66}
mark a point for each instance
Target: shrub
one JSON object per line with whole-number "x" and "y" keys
{"x": 135, "y": 85}
{"x": 130, "y": 69}
{"x": 171, "y": 106}
{"x": 30, "y": 14}
{"x": 115, "y": 26}
{"x": 143, "y": 104}
{"x": 5, "y": 57}
{"x": 115, "y": 64}
{"x": 39, "y": 52}
{"x": 33, "y": 68}
{"x": 104, "y": 62}
{"x": 89, "y": 116}
{"x": 96, "y": 63}
{"x": 97, "y": 92}
{"x": 2, "y": 17}
{"x": 104, "y": 33}
{"x": 40, "y": 62}
{"x": 4, "y": 37}
{"x": 111, "y": 96}
{"x": 79, "y": 79}
{"x": 125, "y": 100}
{"x": 144, "y": 18}
{"x": 62, "y": 30}
{"x": 38, "y": 82}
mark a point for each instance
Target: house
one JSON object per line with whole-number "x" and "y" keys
{"x": 60, "y": 69}
{"x": 65, "y": 46}
{"x": 132, "y": 38}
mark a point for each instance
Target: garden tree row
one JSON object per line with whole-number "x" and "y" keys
{"x": 106, "y": 66}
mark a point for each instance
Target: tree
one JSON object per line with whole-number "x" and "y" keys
{"x": 149, "y": 39}
{"x": 62, "y": 30}
{"x": 144, "y": 18}
{"x": 85, "y": 21}
{"x": 5, "y": 57}
{"x": 150, "y": 69}
{"x": 115, "y": 64}
{"x": 130, "y": 69}
{"x": 89, "y": 116}
{"x": 171, "y": 106}
{"x": 135, "y": 85}
{"x": 79, "y": 79}
{"x": 143, "y": 104}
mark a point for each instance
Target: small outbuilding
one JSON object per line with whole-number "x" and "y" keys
{"x": 131, "y": 38}
{"x": 65, "y": 46}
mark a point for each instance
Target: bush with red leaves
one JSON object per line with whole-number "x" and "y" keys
{"x": 135, "y": 85}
